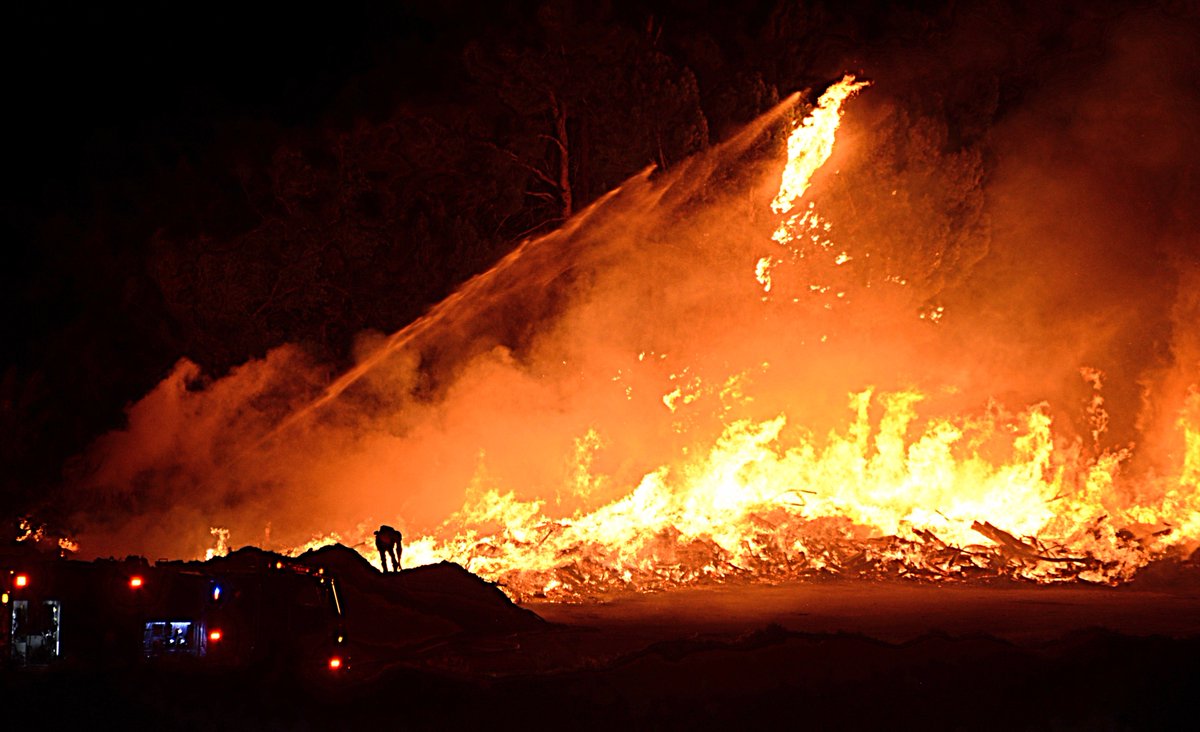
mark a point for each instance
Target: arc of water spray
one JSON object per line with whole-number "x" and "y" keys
{"x": 406, "y": 335}
{"x": 481, "y": 282}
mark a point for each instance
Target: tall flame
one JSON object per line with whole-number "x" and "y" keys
{"x": 811, "y": 143}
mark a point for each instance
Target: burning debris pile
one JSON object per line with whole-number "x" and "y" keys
{"x": 771, "y": 503}
{"x": 656, "y": 396}
{"x": 864, "y": 505}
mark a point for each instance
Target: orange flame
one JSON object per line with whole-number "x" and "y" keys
{"x": 811, "y": 143}
{"x": 890, "y": 492}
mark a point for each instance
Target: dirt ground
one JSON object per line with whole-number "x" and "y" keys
{"x": 894, "y": 611}
{"x": 829, "y": 655}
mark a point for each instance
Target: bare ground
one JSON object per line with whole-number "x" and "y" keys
{"x": 829, "y": 655}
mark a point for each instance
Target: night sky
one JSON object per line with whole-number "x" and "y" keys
{"x": 212, "y": 180}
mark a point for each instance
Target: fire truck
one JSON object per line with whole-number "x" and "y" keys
{"x": 251, "y": 608}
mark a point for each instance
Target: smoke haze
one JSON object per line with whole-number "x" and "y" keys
{"x": 981, "y": 249}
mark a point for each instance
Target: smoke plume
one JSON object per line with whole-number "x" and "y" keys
{"x": 982, "y": 248}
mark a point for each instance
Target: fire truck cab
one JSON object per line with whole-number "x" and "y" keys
{"x": 280, "y": 613}
{"x": 252, "y": 609}
{"x": 30, "y": 626}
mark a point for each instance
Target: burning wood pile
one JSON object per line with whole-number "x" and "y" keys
{"x": 757, "y": 493}
{"x": 715, "y": 373}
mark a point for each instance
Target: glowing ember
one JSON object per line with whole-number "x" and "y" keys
{"x": 222, "y": 546}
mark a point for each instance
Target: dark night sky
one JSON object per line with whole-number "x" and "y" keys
{"x": 134, "y": 131}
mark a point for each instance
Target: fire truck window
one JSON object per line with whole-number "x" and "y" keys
{"x": 165, "y": 637}
{"x": 35, "y": 631}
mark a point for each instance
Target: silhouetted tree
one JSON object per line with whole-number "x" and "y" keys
{"x": 589, "y": 101}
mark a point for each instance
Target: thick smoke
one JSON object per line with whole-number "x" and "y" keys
{"x": 1092, "y": 210}
{"x": 983, "y": 256}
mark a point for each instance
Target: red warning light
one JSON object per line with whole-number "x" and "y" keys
{"x": 214, "y": 635}
{"x": 335, "y": 663}
{"x": 135, "y": 583}
{"x": 21, "y": 580}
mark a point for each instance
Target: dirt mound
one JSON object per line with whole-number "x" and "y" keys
{"x": 409, "y": 609}
{"x": 417, "y": 605}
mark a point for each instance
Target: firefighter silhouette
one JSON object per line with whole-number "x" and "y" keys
{"x": 389, "y": 542}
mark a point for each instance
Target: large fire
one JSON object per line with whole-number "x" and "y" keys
{"x": 889, "y": 492}
{"x": 717, "y": 372}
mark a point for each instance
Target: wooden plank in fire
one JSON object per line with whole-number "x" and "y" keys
{"x": 1016, "y": 546}
{"x": 930, "y": 538}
